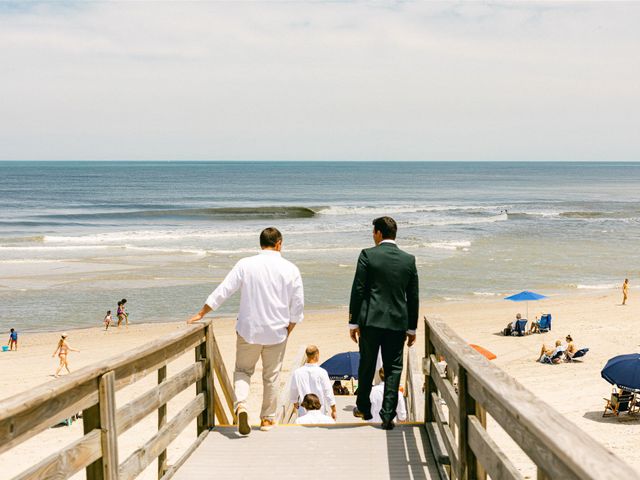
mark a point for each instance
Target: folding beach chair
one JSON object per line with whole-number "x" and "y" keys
{"x": 545, "y": 323}
{"x": 580, "y": 353}
{"x": 520, "y": 327}
{"x": 619, "y": 403}
{"x": 549, "y": 360}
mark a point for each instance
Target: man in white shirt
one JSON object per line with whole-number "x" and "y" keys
{"x": 312, "y": 378}
{"x": 314, "y": 415}
{"x": 377, "y": 395}
{"x": 271, "y": 304}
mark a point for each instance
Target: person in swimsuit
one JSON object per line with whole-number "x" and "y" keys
{"x": 63, "y": 350}
{"x": 107, "y": 320}
{"x": 625, "y": 291}
{"x": 13, "y": 339}
{"x": 122, "y": 314}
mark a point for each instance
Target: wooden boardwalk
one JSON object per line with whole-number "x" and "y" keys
{"x": 343, "y": 451}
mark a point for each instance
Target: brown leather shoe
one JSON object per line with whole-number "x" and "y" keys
{"x": 267, "y": 424}
{"x": 243, "y": 421}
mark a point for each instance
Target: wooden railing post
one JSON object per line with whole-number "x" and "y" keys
{"x": 213, "y": 403}
{"x": 429, "y": 384}
{"x": 467, "y": 406}
{"x": 162, "y": 420}
{"x": 109, "y": 434}
{"x": 201, "y": 387}
{"x": 91, "y": 421}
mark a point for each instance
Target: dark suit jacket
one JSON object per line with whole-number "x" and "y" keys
{"x": 385, "y": 289}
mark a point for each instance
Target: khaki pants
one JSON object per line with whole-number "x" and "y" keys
{"x": 247, "y": 355}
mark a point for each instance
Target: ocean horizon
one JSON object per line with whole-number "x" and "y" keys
{"x": 77, "y": 236}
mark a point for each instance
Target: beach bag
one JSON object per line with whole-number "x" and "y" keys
{"x": 507, "y": 331}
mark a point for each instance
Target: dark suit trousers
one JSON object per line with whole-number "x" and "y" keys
{"x": 392, "y": 344}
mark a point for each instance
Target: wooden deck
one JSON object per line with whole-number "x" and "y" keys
{"x": 342, "y": 451}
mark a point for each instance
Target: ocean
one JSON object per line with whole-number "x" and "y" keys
{"x": 77, "y": 236}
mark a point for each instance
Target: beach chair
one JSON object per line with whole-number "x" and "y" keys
{"x": 520, "y": 328}
{"x": 579, "y": 353}
{"x": 549, "y": 360}
{"x": 545, "y": 323}
{"x": 619, "y": 403}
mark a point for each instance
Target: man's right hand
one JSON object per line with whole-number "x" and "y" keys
{"x": 355, "y": 334}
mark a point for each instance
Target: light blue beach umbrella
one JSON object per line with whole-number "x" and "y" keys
{"x": 525, "y": 297}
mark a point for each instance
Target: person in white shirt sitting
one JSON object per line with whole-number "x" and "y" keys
{"x": 376, "y": 397}
{"x": 314, "y": 415}
{"x": 271, "y": 305}
{"x": 312, "y": 378}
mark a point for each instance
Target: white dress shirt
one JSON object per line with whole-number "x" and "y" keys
{"x": 314, "y": 417}
{"x": 376, "y": 397}
{"x": 311, "y": 378}
{"x": 271, "y": 297}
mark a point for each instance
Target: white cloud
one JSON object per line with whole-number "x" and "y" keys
{"x": 305, "y": 81}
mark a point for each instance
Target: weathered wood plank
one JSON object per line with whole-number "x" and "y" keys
{"x": 494, "y": 461}
{"x": 144, "y": 455}
{"x": 134, "y": 411}
{"x": 446, "y": 391}
{"x": 109, "y": 434}
{"x": 23, "y": 416}
{"x": 67, "y": 461}
{"x": 171, "y": 471}
{"x": 543, "y": 437}
{"x": 414, "y": 381}
{"x": 90, "y": 422}
{"x": 445, "y": 432}
{"x": 466, "y": 406}
{"x": 162, "y": 420}
{"x": 223, "y": 375}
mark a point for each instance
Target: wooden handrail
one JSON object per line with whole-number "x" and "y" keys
{"x": 92, "y": 390}
{"x": 476, "y": 386}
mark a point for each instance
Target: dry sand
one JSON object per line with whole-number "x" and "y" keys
{"x": 575, "y": 390}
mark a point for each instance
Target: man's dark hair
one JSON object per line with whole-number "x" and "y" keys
{"x": 269, "y": 237}
{"x": 311, "y": 402}
{"x": 387, "y": 226}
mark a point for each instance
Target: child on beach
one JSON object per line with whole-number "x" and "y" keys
{"x": 63, "y": 350}
{"x": 13, "y": 339}
{"x": 107, "y": 320}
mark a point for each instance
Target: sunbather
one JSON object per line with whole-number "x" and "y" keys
{"x": 511, "y": 326}
{"x": 551, "y": 355}
{"x": 571, "y": 349}
{"x": 535, "y": 326}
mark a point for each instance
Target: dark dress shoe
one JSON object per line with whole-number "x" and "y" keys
{"x": 388, "y": 425}
{"x": 357, "y": 413}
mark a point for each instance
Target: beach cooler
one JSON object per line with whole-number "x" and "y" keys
{"x": 5, "y": 348}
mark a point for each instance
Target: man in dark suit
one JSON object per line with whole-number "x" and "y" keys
{"x": 383, "y": 312}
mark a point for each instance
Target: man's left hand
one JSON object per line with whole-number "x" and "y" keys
{"x": 411, "y": 339}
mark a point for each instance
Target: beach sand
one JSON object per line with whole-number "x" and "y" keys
{"x": 576, "y": 390}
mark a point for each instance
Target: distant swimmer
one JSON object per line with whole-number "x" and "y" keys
{"x": 625, "y": 291}
{"x": 63, "y": 350}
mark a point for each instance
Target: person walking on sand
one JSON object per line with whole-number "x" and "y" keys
{"x": 63, "y": 350}
{"x": 625, "y": 291}
{"x": 107, "y": 320}
{"x": 271, "y": 304}
{"x": 383, "y": 312}
{"x": 13, "y": 339}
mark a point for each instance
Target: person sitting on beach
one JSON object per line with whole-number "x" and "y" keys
{"x": 314, "y": 416}
{"x": 376, "y": 396}
{"x": 312, "y": 378}
{"x": 107, "y": 320}
{"x": 511, "y": 326}
{"x": 550, "y": 355}
{"x": 13, "y": 339}
{"x": 535, "y": 326}
{"x": 570, "y": 349}
{"x": 63, "y": 350}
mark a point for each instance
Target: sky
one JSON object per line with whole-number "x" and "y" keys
{"x": 319, "y": 81}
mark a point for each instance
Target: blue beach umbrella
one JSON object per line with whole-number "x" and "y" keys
{"x": 623, "y": 371}
{"x": 525, "y": 296}
{"x": 342, "y": 366}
